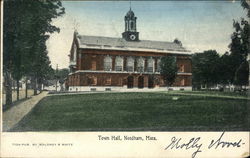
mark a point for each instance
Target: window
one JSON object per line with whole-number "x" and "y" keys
{"x": 182, "y": 68}
{"x": 150, "y": 67}
{"x": 131, "y": 25}
{"x": 183, "y": 82}
{"x": 158, "y": 69}
{"x": 118, "y": 64}
{"x": 92, "y": 80}
{"x": 130, "y": 64}
{"x": 108, "y": 81}
{"x": 140, "y": 64}
{"x": 93, "y": 65}
{"x": 89, "y": 80}
{"x": 107, "y": 63}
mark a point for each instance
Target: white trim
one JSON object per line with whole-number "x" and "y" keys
{"x": 124, "y": 88}
{"x": 124, "y": 72}
{"x": 72, "y": 63}
{"x": 135, "y": 49}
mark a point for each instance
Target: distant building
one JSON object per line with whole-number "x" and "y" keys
{"x": 107, "y": 63}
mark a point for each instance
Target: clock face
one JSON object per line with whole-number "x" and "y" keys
{"x": 132, "y": 37}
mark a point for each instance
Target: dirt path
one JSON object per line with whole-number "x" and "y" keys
{"x": 16, "y": 113}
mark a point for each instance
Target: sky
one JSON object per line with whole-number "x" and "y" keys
{"x": 199, "y": 25}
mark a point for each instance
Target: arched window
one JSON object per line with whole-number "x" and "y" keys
{"x": 150, "y": 65}
{"x": 131, "y": 25}
{"x": 107, "y": 63}
{"x": 130, "y": 64}
{"x": 140, "y": 64}
{"x": 92, "y": 80}
{"x": 118, "y": 64}
{"x": 107, "y": 81}
{"x": 158, "y": 69}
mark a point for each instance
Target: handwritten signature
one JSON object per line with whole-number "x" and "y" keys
{"x": 194, "y": 143}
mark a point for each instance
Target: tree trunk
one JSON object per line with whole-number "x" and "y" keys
{"x": 34, "y": 85}
{"x": 26, "y": 88}
{"x": 17, "y": 89}
{"x": 40, "y": 87}
{"x": 8, "y": 88}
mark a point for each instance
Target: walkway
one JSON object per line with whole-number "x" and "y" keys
{"x": 16, "y": 113}
{"x": 21, "y": 95}
{"x": 208, "y": 95}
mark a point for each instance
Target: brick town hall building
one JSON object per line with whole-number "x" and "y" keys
{"x": 127, "y": 63}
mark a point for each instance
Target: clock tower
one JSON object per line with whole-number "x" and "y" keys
{"x": 130, "y": 33}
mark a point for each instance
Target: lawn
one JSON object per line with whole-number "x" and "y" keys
{"x": 136, "y": 112}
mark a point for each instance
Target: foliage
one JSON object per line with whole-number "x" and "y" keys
{"x": 177, "y": 42}
{"x": 226, "y": 68}
{"x": 27, "y": 25}
{"x": 246, "y": 5}
{"x": 240, "y": 49}
{"x": 241, "y": 74}
{"x": 230, "y": 68}
{"x": 205, "y": 68}
{"x": 61, "y": 74}
{"x": 168, "y": 69}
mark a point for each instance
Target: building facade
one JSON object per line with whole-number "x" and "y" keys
{"x": 127, "y": 63}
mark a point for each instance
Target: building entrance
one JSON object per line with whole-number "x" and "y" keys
{"x": 141, "y": 82}
{"x": 150, "y": 82}
{"x": 130, "y": 83}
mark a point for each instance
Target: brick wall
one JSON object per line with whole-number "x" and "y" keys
{"x": 94, "y": 60}
{"x": 120, "y": 79}
{"x": 88, "y": 56}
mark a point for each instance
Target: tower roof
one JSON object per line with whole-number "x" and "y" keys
{"x": 130, "y": 13}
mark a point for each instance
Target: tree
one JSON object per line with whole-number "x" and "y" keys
{"x": 168, "y": 69}
{"x": 177, "y": 42}
{"x": 240, "y": 75}
{"x": 246, "y": 5}
{"x": 10, "y": 41}
{"x": 205, "y": 68}
{"x": 27, "y": 24}
{"x": 239, "y": 48}
{"x": 227, "y": 69}
{"x": 61, "y": 75}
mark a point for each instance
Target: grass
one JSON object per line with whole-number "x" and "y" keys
{"x": 136, "y": 112}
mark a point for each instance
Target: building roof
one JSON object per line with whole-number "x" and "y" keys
{"x": 100, "y": 42}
